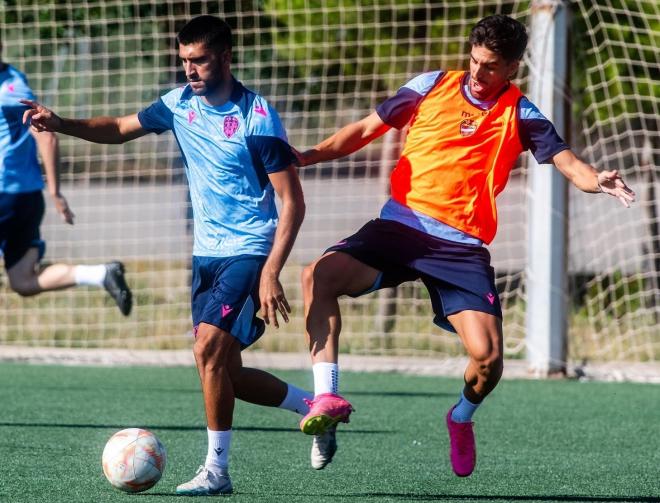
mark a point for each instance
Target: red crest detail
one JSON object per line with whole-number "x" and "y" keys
{"x": 468, "y": 127}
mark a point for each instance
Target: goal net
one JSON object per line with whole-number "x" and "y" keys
{"x": 324, "y": 64}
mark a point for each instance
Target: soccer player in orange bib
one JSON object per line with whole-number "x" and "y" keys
{"x": 466, "y": 130}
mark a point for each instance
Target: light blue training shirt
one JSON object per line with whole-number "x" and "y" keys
{"x": 19, "y": 167}
{"x": 228, "y": 151}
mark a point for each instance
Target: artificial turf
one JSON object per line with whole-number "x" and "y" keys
{"x": 537, "y": 441}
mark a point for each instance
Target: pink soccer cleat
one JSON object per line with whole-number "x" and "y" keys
{"x": 462, "y": 448}
{"x": 325, "y": 411}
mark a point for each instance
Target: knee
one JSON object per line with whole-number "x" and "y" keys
{"x": 321, "y": 279}
{"x": 490, "y": 367}
{"x": 317, "y": 280}
{"x": 307, "y": 277}
{"x": 22, "y": 287}
{"x": 213, "y": 349}
{"x": 23, "y": 292}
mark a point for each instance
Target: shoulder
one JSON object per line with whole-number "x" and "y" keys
{"x": 260, "y": 115}
{"x": 16, "y": 84}
{"x": 528, "y": 110}
{"x": 537, "y": 132}
{"x": 245, "y": 99}
{"x": 15, "y": 73}
{"x": 398, "y": 109}
{"x": 423, "y": 83}
{"x": 171, "y": 98}
{"x": 159, "y": 116}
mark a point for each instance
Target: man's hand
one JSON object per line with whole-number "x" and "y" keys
{"x": 40, "y": 117}
{"x": 62, "y": 207}
{"x": 611, "y": 183}
{"x": 271, "y": 296}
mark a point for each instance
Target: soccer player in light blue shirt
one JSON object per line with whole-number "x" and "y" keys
{"x": 22, "y": 204}
{"x": 236, "y": 159}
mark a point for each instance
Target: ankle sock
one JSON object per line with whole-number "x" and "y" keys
{"x": 89, "y": 275}
{"x": 217, "y": 456}
{"x": 294, "y": 400}
{"x": 463, "y": 410}
{"x": 326, "y": 378}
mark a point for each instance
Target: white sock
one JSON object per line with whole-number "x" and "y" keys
{"x": 91, "y": 275}
{"x": 293, "y": 400}
{"x": 326, "y": 378}
{"x": 217, "y": 456}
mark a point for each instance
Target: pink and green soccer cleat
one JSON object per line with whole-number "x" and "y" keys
{"x": 462, "y": 448}
{"x": 325, "y": 411}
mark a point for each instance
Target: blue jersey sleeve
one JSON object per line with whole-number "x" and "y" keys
{"x": 156, "y": 118}
{"x": 266, "y": 139}
{"x": 538, "y": 134}
{"x": 397, "y": 110}
{"x": 159, "y": 116}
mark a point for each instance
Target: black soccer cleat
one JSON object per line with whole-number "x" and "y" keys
{"x": 115, "y": 284}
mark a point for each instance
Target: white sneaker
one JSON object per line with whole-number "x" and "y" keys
{"x": 323, "y": 449}
{"x": 206, "y": 483}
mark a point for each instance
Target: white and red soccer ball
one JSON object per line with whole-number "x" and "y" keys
{"x": 134, "y": 460}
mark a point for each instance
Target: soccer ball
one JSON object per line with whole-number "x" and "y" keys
{"x": 133, "y": 460}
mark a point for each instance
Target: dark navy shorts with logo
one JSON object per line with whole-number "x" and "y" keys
{"x": 20, "y": 218}
{"x": 457, "y": 276}
{"x": 225, "y": 293}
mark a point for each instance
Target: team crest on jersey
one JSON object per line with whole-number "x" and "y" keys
{"x": 230, "y": 126}
{"x": 468, "y": 127}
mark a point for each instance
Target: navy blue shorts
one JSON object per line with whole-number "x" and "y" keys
{"x": 225, "y": 293}
{"x": 20, "y": 218}
{"x": 457, "y": 276}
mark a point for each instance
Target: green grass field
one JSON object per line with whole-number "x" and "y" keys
{"x": 555, "y": 441}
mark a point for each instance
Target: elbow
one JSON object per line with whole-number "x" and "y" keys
{"x": 303, "y": 209}
{"x": 51, "y": 139}
{"x": 47, "y": 139}
{"x": 300, "y": 210}
{"x": 119, "y": 138}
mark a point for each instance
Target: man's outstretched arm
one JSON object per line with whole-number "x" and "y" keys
{"x": 96, "y": 129}
{"x": 586, "y": 178}
{"x": 347, "y": 140}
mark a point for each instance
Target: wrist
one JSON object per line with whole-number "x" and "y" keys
{"x": 269, "y": 272}
{"x": 60, "y": 122}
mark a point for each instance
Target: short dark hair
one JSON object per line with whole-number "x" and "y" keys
{"x": 212, "y": 31}
{"x": 502, "y": 35}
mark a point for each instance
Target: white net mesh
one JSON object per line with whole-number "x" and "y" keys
{"x": 324, "y": 64}
{"x": 615, "y": 255}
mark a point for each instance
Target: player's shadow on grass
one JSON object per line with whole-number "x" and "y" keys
{"x": 411, "y": 394}
{"x": 155, "y": 427}
{"x": 111, "y": 388}
{"x": 467, "y": 497}
{"x": 471, "y": 497}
